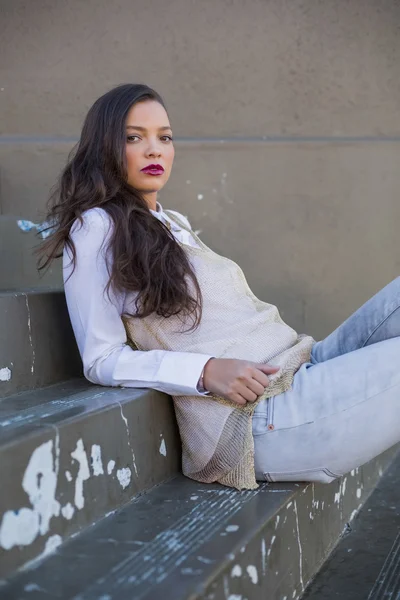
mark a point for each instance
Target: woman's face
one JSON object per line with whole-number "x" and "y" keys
{"x": 149, "y": 148}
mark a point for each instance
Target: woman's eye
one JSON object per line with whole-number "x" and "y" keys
{"x": 132, "y": 138}
{"x": 167, "y": 138}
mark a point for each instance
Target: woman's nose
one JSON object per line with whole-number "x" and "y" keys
{"x": 153, "y": 149}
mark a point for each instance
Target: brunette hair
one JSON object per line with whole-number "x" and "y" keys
{"x": 146, "y": 258}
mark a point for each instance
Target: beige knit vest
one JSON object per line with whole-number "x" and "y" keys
{"x": 217, "y": 440}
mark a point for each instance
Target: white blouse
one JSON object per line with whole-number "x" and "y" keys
{"x": 96, "y": 317}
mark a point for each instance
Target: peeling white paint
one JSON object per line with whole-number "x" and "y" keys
{"x": 125, "y": 420}
{"x": 5, "y": 374}
{"x": 358, "y": 492}
{"x": 163, "y": 448}
{"x": 110, "y": 466}
{"x": 226, "y": 586}
{"x": 124, "y": 477}
{"x": 52, "y": 543}
{"x": 263, "y": 556}
{"x": 300, "y": 548}
{"x": 26, "y": 225}
{"x": 21, "y": 527}
{"x": 277, "y": 521}
{"x": 191, "y": 571}
{"x": 67, "y": 511}
{"x": 231, "y": 528}
{"x": 206, "y": 561}
{"x": 33, "y": 587}
{"x": 194, "y": 497}
{"x": 200, "y": 196}
{"x": 289, "y": 505}
{"x": 79, "y": 455}
{"x": 68, "y": 476}
{"x": 252, "y": 573}
{"x": 30, "y": 334}
{"x": 236, "y": 571}
{"x": 97, "y": 464}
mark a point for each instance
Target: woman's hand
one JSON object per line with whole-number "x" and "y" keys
{"x": 239, "y": 381}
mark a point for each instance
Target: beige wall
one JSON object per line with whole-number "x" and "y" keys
{"x": 281, "y": 109}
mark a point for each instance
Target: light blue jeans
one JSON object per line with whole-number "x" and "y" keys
{"x": 343, "y": 408}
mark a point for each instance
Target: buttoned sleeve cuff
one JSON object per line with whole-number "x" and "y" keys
{"x": 175, "y": 373}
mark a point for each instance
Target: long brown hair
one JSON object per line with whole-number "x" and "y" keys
{"x": 146, "y": 258}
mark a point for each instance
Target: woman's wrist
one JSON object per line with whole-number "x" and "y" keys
{"x": 201, "y": 385}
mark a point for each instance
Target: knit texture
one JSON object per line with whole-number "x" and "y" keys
{"x": 217, "y": 439}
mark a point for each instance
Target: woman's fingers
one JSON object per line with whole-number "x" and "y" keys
{"x": 238, "y": 399}
{"x": 257, "y": 387}
{"x": 268, "y": 369}
{"x": 260, "y": 378}
{"x": 247, "y": 393}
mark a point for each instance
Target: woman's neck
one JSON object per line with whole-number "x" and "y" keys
{"x": 151, "y": 200}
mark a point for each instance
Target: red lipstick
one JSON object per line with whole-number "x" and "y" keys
{"x": 153, "y": 170}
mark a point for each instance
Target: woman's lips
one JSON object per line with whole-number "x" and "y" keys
{"x": 154, "y": 170}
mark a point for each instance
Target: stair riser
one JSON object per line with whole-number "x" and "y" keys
{"x": 187, "y": 541}
{"x": 18, "y": 267}
{"x": 40, "y": 348}
{"x": 71, "y": 463}
{"x": 283, "y": 557}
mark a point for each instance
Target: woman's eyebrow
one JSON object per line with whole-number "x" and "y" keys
{"x": 166, "y": 127}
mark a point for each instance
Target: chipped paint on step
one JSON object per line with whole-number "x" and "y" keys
{"x": 97, "y": 464}
{"x": 5, "y": 374}
{"x": 124, "y": 477}
{"x": 79, "y": 455}
{"x": 252, "y": 573}
{"x": 110, "y": 466}
{"x": 163, "y": 448}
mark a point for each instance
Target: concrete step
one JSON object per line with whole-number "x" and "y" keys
{"x": 184, "y": 540}
{"x": 71, "y": 453}
{"x": 18, "y": 267}
{"x": 365, "y": 565}
{"x": 38, "y": 346}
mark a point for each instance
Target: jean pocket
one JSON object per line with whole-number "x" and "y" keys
{"x": 263, "y": 418}
{"x": 318, "y": 475}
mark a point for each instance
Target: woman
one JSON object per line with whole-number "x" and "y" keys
{"x": 152, "y": 306}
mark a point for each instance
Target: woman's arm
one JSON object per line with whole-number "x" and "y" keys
{"x": 99, "y": 331}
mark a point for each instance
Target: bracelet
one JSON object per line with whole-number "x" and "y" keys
{"x": 200, "y": 386}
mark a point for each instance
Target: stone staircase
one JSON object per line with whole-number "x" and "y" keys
{"x": 93, "y": 505}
